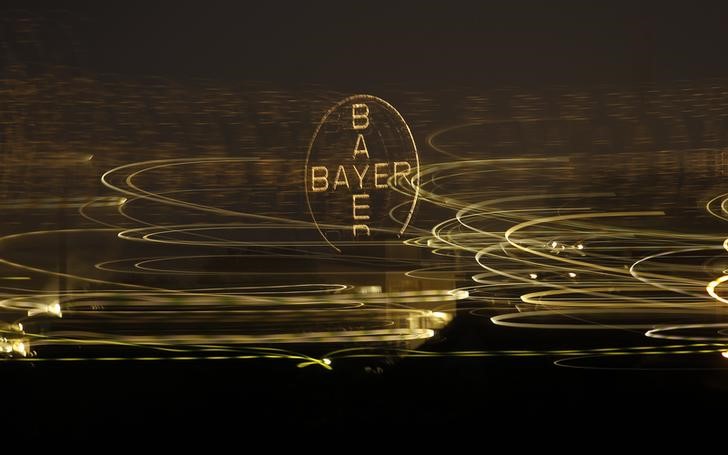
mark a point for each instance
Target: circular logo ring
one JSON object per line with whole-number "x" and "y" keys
{"x": 360, "y": 122}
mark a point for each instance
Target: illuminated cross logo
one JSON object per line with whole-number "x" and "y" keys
{"x": 361, "y": 172}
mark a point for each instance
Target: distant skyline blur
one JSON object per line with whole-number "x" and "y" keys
{"x": 360, "y": 45}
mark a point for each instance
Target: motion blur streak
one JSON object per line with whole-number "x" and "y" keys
{"x": 150, "y": 218}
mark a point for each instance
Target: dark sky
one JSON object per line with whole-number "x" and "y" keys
{"x": 345, "y": 43}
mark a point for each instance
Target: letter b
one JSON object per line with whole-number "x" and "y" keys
{"x": 319, "y": 182}
{"x": 359, "y": 116}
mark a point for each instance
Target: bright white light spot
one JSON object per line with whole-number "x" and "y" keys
{"x": 724, "y": 354}
{"x": 440, "y": 315}
{"x": 533, "y": 276}
{"x": 54, "y": 308}
{"x": 326, "y": 361}
{"x": 554, "y": 244}
{"x": 579, "y": 246}
{"x": 572, "y": 275}
{"x": 370, "y": 289}
{"x": 460, "y": 294}
{"x": 19, "y": 347}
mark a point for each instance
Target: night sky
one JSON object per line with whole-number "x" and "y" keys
{"x": 423, "y": 44}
